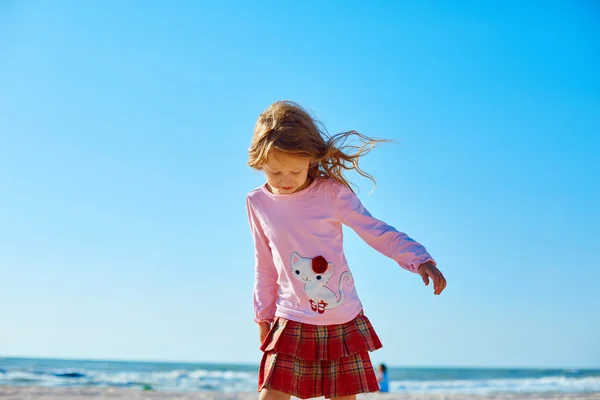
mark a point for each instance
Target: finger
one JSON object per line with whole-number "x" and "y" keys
{"x": 441, "y": 284}
{"x": 436, "y": 283}
{"x": 445, "y": 283}
{"x": 425, "y": 279}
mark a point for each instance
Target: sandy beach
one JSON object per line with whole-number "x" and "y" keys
{"x": 41, "y": 393}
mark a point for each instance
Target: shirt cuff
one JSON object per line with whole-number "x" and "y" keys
{"x": 259, "y": 320}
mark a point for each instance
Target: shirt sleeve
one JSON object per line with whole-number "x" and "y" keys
{"x": 265, "y": 274}
{"x": 382, "y": 237}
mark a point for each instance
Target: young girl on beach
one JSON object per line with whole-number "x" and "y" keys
{"x": 382, "y": 378}
{"x": 314, "y": 335}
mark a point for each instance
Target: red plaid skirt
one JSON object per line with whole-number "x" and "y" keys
{"x": 319, "y": 360}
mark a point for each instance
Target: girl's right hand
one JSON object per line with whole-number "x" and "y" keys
{"x": 263, "y": 330}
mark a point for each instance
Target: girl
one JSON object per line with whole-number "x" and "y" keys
{"x": 315, "y": 337}
{"x": 382, "y": 378}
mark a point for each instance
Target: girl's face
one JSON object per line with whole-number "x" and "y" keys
{"x": 286, "y": 173}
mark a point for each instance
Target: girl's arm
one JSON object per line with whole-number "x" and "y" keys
{"x": 265, "y": 274}
{"x": 379, "y": 235}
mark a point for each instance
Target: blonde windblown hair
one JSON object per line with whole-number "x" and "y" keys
{"x": 287, "y": 127}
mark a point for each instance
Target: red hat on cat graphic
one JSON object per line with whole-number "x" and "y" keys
{"x": 319, "y": 264}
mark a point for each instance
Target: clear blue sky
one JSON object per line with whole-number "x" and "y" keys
{"x": 124, "y": 129}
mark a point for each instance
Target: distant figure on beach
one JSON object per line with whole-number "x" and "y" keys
{"x": 382, "y": 378}
{"x": 313, "y": 332}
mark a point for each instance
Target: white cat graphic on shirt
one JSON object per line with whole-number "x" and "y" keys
{"x": 315, "y": 273}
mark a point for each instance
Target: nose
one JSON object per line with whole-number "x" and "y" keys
{"x": 287, "y": 182}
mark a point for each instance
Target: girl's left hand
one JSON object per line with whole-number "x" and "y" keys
{"x": 429, "y": 270}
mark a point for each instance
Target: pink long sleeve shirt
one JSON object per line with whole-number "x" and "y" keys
{"x": 301, "y": 273}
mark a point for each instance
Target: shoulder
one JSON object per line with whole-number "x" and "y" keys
{"x": 331, "y": 185}
{"x": 255, "y": 194}
{"x": 340, "y": 196}
{"x": 325, "y": 189}
{"x": 335, "y": 189}
{"x": 253, "y": 198}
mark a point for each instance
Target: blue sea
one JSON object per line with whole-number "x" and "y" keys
{"x": 242, "y": 378}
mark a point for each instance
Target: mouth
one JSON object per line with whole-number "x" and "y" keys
{"x": 287, "y": 189}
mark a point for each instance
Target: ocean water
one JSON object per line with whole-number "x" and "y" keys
{"x": 237, "y": 378}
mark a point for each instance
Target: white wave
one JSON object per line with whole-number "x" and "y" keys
{"x": 483, "y": 386}
{"x": 170, "y": 380}
{"x": 227, "y": 381}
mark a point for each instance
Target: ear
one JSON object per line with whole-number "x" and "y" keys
{"x": 329, "y": 268}
{"x": 295, "y": 258}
